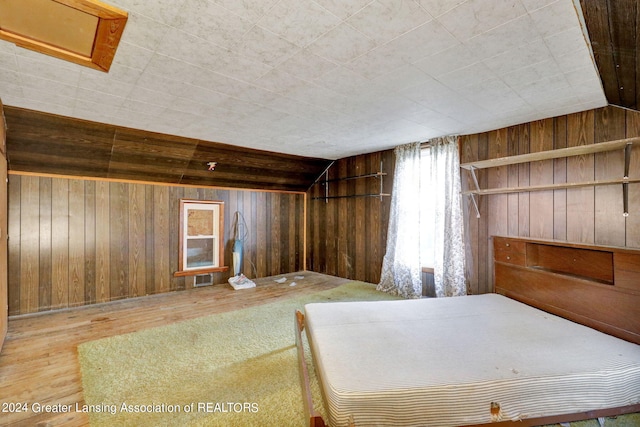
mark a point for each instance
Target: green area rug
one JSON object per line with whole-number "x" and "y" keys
{"x": 231, "y": 369}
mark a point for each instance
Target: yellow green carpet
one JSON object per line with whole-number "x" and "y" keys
{"x": 231, "y": 369}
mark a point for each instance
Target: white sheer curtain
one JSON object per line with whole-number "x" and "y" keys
{"x": 401, "y": 268}
{"x": 449, "y": 247}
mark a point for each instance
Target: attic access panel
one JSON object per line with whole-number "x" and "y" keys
{"x": 86, "y": 32}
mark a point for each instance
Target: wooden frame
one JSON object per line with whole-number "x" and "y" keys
{"x": 547, "y": 291}
{"x": 216, "y": 207}
{"x": 110, "y": 26}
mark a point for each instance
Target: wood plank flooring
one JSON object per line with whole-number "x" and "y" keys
{"x": 39, "y": 361}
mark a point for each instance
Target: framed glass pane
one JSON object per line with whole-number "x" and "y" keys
{"x": 201, "y": 253}
{"x": 201, "y": 237}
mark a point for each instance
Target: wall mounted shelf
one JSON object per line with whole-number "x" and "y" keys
{"x": 378, "y": 175}
{"x": 581, "y": 150}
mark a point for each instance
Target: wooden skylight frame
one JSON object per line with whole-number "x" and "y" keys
{"x": 85, "y": 32}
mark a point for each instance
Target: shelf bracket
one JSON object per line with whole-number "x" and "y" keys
{"x": 475, "y": 179}
{"x": 625, "y": 185}
{"x": 475, "y": 203}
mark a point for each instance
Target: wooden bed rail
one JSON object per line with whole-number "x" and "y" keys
{"x": 314, "y": 417}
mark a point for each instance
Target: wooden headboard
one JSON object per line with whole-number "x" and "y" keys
{"x": 597, "y": 286}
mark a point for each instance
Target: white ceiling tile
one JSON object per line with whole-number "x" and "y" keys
{"x": 279, "y": 82}
{"x": 448, "y": 60}
{"x": 384, "y": 20}
{"x": 526, "y": 75}
{"x": 475, "y": 17}
{"x": 555, "y": 18}
{"x": 532, "y": 5}
{"x": 10, "y": 89}
{"x": 266, "y": 47}
{"x": 507, "y": 37}
{"x": 251, "y": 10}
{"x": 342, "y": 44}
{"x": 342, "y": 80}
{"x": 163, "y": 11}
{"x": 467, "y": 76}
{"x": 133, "y": 108}
{"x": 298, "y": 21}
{"x": 239, "y": 67}
{"x": 144, "y": 32}
{"x": 425, "y": 40}
{"x": 235, "y": 71}
{"x": 48, "y": 85}
{"x": 520, "y": 57}
{"x": 343, "y": 9}
{"x": 211, "y": 22}
{"x": 307, "y": 65}
{"x": 7, "y": 47}
{"x": 439, "y": 7}
{"x": 132, "y": 56}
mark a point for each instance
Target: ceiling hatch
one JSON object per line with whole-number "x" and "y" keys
{"x": 86, "y": 32}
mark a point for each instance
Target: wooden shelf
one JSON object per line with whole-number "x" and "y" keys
{"x": 581, "y": 150}
{"x": 551, "y": 154}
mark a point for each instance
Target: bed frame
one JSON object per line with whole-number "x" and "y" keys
{"x": 597, "y": 286}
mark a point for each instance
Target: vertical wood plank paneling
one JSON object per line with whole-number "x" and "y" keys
{"x": 524, "y": 199}
{"x": 261, "y": 235}
{"x": 76, "y": 242}
{"x": 469, "y": 153}
{"x": 485, "y": 283}
{"x": 90, "y": 281}
{"x": 342, "y": 222}
{"x": 119, "y": 233}
{"x": 14, "y": 214}
{"x": 609, "y": 222}
{"x": 294, "y": 231}
{"x": 374, "y": 229}
{"x": 102, "y": 241}
{"x": 149, "y": 201}
{"x": 560, "y": 176}
{"x": 4, "y": 233}
{"x": 363, "y": 186}
{"x": 580, "y": 201}
{"x": 175, "y": 194}
{"x": 60, "y": 243}
{"x": 136, "y": 240}
{"x": 633, "y": 220}
{"x": 29, "y": 244}
{"x": 161, "y": 238}
{"x": 513, "y": 208}
{"x": 497, "y": 177}
{"x": 541, "y": 202}
{"x": 45, "y": 236}
{"x": 103, "y": 252}
{"x": 275, "y": 235}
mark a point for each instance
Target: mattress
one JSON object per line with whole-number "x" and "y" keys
{"x": 463, "y": 360}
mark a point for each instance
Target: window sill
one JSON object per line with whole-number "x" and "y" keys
{"x": 200, "y": 271}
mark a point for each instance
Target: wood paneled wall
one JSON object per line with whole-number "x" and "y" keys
{"x": 347, "y": 235}
{"x": 590, "y": 215}
{"x": 76, "y": 242}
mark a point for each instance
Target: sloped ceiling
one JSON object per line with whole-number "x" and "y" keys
{"x": 322, "y": 78}
{"x": 613, "y": 27}
{"x": 45, "y": 143}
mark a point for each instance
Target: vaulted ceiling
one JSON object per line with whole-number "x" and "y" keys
{"x": 322, "y": 78}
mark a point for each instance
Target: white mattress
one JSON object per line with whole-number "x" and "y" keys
{"x": 442, "y": 362}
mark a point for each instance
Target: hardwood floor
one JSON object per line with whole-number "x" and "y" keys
{"x": 39, "y": 361}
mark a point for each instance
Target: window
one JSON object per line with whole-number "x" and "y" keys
{"x": 427, "y": 210}
{"x": 201, "y": 237}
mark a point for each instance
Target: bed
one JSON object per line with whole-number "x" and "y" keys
{"x": 520, "y": 356}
